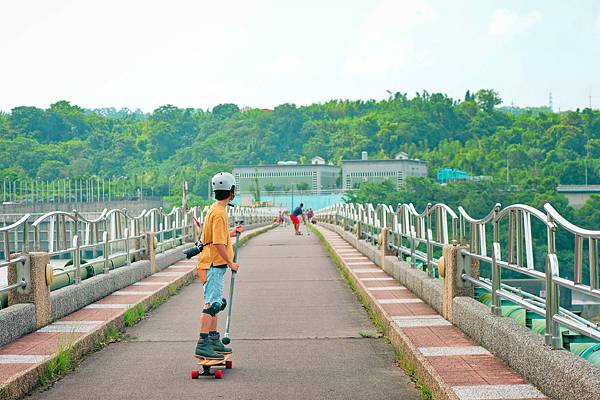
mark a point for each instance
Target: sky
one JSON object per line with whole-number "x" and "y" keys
{"x": 198, "y": 53}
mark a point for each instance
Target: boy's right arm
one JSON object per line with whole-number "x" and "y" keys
{"x": 222, "y": 250}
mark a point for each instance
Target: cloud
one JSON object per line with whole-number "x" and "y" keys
{"x": 508, "y": 23}
{"x": 384, "y": 38}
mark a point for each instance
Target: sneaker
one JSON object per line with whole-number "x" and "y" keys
{"x": 217, "y": 345}
{"x": 204, "y": 349}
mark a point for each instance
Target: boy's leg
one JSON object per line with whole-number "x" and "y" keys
{"x": 204, "y": 347}
{"x": 213, "y": 334}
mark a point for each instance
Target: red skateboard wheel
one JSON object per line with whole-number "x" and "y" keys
{"x": 228, "y": 364}
{"x": 219, "y": 374}
{"x": 195, "y": 374}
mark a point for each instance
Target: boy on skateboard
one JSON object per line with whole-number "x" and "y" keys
{"x": 294, "y": 217}
{"x": 216, "y": 257}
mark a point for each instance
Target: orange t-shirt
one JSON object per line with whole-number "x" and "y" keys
{"x": 215, "y": 231}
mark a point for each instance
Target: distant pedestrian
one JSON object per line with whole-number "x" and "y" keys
{"x": 297, "y": 212}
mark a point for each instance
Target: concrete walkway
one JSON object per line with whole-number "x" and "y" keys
{"x": 295, "y": 332}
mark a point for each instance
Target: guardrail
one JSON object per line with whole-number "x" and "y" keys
{"x": 419, "y": 237}
{"x": 75, "y": 243}
{"x": 14, "y": 256}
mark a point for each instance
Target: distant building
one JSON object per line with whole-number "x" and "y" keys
{"x": 355, "y": 172}
{"x": 445, "y": 175}
{"x": 577, "y": 195}
{"x": 448, "y": 174}
{"x": 317, "y": 160}
{"x": 286, "y": 175}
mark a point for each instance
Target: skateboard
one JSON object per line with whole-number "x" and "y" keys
{"x": 207, "y": 363}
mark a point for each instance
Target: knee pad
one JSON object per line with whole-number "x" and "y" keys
{"x": 223, "y": 304}
{"x": 213, "y": 309}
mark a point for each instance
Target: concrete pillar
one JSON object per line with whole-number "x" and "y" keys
{"x": 357, "y": 230}
{"x": 150, "y": 253}
{"x": 455, "y": 264}
{"x": 385, "y": 250}
{"x": 38, "y": 290}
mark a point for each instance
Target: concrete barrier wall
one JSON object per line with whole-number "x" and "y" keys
{"x": 558, "y": 373}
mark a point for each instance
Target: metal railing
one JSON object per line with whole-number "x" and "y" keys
{"x": 419, "y": 237}
{"x": 12, "y": 255}
{"x": 114, "y": 238}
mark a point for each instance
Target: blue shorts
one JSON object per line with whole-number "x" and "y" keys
{"x": 213, "y": 287}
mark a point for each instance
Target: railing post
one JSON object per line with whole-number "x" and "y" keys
{"x": 37, "y": 291}
{"x": 455, "y": 263}
{"x": 77, "y": 259}
{"x": 385, "y": 248}
{"x": 150, "y": 253}
{"x": 127, "y": 251}
{"x": 105, "y": 251}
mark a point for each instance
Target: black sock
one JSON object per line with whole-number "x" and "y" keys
{"x": 204, "y": 336}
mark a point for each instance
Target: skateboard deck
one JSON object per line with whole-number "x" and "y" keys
{"x": 207, "y": 363}
{"x": 211, "y": 362}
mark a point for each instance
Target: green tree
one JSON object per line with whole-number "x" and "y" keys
{"x": 488, "y": 99}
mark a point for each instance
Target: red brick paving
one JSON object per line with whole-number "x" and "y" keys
{"x": 474, "y": 370}
{"x": 379, "y": 274}
{"x": 38, "y": 343}
{"x": 93, "y": 314}
{"x": 438, "y": 336}
{"x": 371, "y": 284}
{"x": 9, "y": 370}
{"x": 394, "y": 294}
{"x": 408, "y": 309}
{"x": 130, "y": 299}
{"x": 165, "y": 279}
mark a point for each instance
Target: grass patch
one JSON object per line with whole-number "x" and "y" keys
{"x": 158, "y": 301}
{"x": 172, "y": 289}
{"x": 403, "y": 362}
{"x": 133, "y": 315}
{"x": 111, "y": 335}
{"x": 59, "y": 365}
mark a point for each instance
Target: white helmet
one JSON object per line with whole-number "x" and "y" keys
{"x": 223, "y": 181}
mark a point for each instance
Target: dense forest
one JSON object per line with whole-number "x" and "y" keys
{"x": 524, "y": 150}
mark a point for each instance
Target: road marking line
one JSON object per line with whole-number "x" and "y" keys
{"x": 489, "y": 392}
{"x": 387, "y": 278}
{"x": 151, "y": 283}
{"x": 453, "y": 351}
{"x": 366, "y": 270}
{"x": 383, "y": 288}
{"x": 71, "y": 327}
{"x": 399, "y": 301}
{"x": 362, "y": 263}
{"x": 420, "y": 322}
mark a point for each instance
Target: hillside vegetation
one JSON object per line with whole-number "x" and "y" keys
{"x": 541, "y": 149}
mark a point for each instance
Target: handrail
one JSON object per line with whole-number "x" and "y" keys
{"x": 419, "y": 236}
{"x": 14, "y": 225}
{"x": 110, "y": 236}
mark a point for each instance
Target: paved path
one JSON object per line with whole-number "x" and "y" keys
{"x": 295, "y": 331}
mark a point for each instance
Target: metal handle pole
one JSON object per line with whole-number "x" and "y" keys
{"x": 232, "y": 285}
